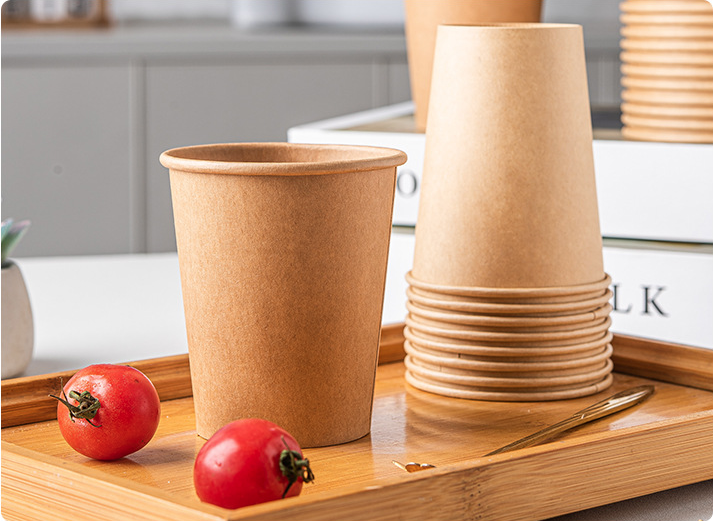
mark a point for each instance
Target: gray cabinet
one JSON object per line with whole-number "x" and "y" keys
{"x": 65, "y": 157}
{"x": 85, "y": 117}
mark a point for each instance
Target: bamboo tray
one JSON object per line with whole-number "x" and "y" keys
{"x": 663, "y": 443}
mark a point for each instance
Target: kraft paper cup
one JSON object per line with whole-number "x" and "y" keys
{"x": 283, "y": 251}
{"x": 520, "y": 295}
{"x": 529, "y": 301}
{"x": 669, "y": 72}
{"x": 667, "y": 97}
{"x": 508, "y": 322}
{"x": 667, "y": 7}
{"x": 445, "y": 330}
{"x": 704, "y": 59}
{"x": 671, "y": 18}
{"x": 663, "y": 111}
{"x": 667, "y": 45}
{"x": 508, "y": 197}
{"x": 422, "y": 18}
{"x": 512, "y": 352}
{"x": 483, "y": 383}
{"x": 515, "y": 332}
{"x": 631, "y": 120}
{"x": 666, "y": 135}
{"x": 496, "y": 309}
{"x": 538, "y": 369}
{"x": 515, "y": 380}
{"x": 456, "y": 391}
{"x": 508, "y": 364}
{"x": 676, "y": 84}
{"x": 666, "y": 31}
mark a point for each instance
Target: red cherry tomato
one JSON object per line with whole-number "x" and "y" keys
{"x": 108, "y": 411}
{"x": 247, "y": 462}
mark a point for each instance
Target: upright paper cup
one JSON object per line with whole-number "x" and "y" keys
{"x": 422, "y": 20}
{"x": 283, "y": 251}
{"x": 508, "y": 198}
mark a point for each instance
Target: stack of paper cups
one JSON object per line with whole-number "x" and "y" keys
{"x": 667, "y": 70}
{"x": 508, "y": 298}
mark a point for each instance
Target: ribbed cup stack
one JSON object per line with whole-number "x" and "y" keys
{"x": 508, "y": 299}
{"x": 667, "y": 70}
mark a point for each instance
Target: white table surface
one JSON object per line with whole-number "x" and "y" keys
{"x": 119, "y": 308}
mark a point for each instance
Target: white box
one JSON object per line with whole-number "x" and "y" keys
{"x": 654, "y": 191}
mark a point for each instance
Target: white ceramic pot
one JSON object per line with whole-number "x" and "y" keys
{"x": 17, "y": 325}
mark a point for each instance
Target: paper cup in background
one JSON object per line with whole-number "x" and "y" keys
{"x": 283, "y": 251}
{"x": 422, "y": 18}
{"x": 508, "y": 197}
{"x": 667, "y": 70}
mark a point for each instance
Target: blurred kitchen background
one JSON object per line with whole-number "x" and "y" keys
{"x": 93, "y": 91}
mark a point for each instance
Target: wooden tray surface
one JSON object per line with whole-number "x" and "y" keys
{"x": 663, "y": 443}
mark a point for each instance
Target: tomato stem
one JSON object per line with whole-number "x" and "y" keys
{"x": 86, "y": 408}
{"x": 293, "y": 466}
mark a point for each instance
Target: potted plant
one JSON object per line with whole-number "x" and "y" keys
{"x": 17, "y": 324}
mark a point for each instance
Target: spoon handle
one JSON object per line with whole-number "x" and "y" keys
{"x": 614, "y": 403}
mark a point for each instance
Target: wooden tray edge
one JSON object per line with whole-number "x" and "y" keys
{"x": 24, "y": 400}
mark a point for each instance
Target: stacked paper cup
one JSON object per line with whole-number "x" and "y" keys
{"x": 508, "y": 298}
{"x": 667, "y": 70}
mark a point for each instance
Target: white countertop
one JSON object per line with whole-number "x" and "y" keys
{"x": 119, "y": 308}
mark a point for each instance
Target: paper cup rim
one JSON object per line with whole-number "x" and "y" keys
{"x": 515, "y": 322}
{"x": 505, "y": 351}
{"x": 596, "y": 356}
{"x": 474, "y": 291}
{"x": 503, "y": 396}
{"x": 546, "y": 26}
{"x": 520, "y": 309}
{"x": 521, "y": 384}
{"x": 264, "y": 158}
{"x": 492, "y": 336}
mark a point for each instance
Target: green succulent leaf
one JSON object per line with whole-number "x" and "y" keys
{"x": 11, "y": 235}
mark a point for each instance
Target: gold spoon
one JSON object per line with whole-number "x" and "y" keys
{"x": 615, "y": 403}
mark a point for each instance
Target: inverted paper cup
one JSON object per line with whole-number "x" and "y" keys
{"x": 667, "y": 111}
{"x": 283, "y": 251}
{"x": 484, "y": 383}
{"x": 422, "y": 19}
{"x": 704, "y": 59}
{"x": 677, "y": 84}
{"x": 515, "y": 293}
{"x": 533, "y": 369}
{"x": 666, "y": 31}
{"x": 445, "y": 330}
{"x": 514, "y": 322}
{"x": 508, "y": 197}
{"x": 515, "y": 331}
{"x": 496, "y": 309}
{"x": 458, "y": 391}
{"x": 666, "y": 45}
{"x": 510, "y": 353}
{"x": 666, "y": 135}
{"x": 668, "y": 97}
{"x": 667, "y": 123}
{"x": 667, "y": 7}
{"x": 670, "y": 71}
{"x": 672, "y": 18}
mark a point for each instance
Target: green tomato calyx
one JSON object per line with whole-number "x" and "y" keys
{"x": 86, "y": 408}
{"x": 293, "y": 466}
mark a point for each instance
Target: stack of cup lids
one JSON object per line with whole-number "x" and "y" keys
{"x": 667, "y": 70}
{"x": 507, "y": 296}
{"x": 508, "y": 344}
